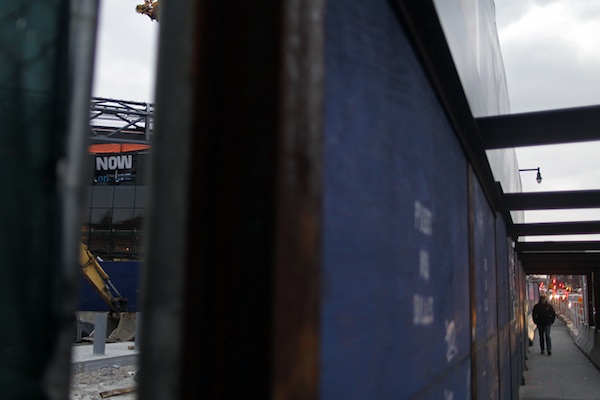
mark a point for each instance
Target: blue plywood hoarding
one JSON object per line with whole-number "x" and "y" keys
{"x": 485, "y": 281}
{"x": 395, "y": 302}
{"x": 503, "y": 245}
{"x": 485, "y": 265}
{"x": 506, "y": 360}
{"x": 124, "y": 275}
{"x": 487, "y": 379}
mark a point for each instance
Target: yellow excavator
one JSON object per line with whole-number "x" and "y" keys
{"x": 149, "y": 8}
{"x": 121, "y": 322}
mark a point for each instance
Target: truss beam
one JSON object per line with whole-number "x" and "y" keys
{"x": 119, "y": 121}
{"x": 567, "y": 125}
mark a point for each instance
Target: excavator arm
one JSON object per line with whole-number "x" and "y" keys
{"x": 100, "y": 281}
{"x": 121, "y": 321}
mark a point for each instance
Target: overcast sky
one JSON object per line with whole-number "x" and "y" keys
{"x": 551, "y": 52}
{"x": 125, "y": 53}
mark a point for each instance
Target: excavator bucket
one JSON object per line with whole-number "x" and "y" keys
{"x": 125, "y": 330}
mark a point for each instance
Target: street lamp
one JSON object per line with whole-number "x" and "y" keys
{"x": 538, "y": 178}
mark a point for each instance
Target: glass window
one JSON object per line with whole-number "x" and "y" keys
{"x": 138, "y": 219}
{"x": 100, "y": 246}
{"x": 122, "y": 234}
{"x": 100, "y": 219}
{"x": 102, "y": 196}
{"x": 122, "y": 219}
{"x": 138, "y": 238}
{"x": 85, "y": 217}
{"x": 122, "y": 246}
{"x": 113, "y": 218}
{"x": 124, "y": 196}
{"x": 140, "y": 197}
{"x": 85, "y": 237}
{"x": 138, "y": 243}
{"x": 87, "y": 196}
{"x": 142, "y": 160}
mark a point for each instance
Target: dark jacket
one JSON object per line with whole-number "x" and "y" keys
{"x": 543, "y": 314}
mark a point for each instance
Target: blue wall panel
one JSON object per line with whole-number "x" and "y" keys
{"x": 521, "y": 341}
{"x": 485, "y": 265}
{"x": 487, "y": 386}
{"x": 124, "y": 275}
{"x": 504, "y": 304}
{"x": 456, "y": 385}
{"x": 502, "y": 261}
{"x": 486, "y": 326}
{"x": 395, "y": 302}
{"x": 504, "y": 362}
{"x": 516, "y": 362}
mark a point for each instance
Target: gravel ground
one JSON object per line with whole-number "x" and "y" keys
{"x": 90, "y": 385}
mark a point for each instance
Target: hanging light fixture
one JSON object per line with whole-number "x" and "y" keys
{"x": 538, "y": 177}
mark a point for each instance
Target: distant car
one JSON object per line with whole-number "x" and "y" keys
{"x": 575, "y": 299}
{"x": 562, "y": 294}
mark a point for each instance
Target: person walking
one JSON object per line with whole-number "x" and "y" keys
{"x": 543, "y": 316}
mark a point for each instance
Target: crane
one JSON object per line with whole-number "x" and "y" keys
{"x": 149, "y": 8}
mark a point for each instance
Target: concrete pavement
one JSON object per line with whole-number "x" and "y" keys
{"x": 566, "y": 374}
{"x": 119, "y": 354}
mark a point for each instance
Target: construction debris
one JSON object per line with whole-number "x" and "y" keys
{"x": 116, "y": 392}
{"x": 90, "y": 385}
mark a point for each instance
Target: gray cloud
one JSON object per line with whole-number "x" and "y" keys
{"x": 551, "y": 58}
{"x": 126, "y": 51}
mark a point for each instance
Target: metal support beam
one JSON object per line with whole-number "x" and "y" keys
{"x": 556, "y": 228}
{"x": 535, "y": 269}
{"x": 472, "y": 276}
{"x": 233, "y": 269}
{"x": 560, "y": 263}
{"x": 37, "y": 68}
{"x": 596, "y": 297}
{"x": 539, "y": 128}
{"x": 427, "y": 35}
{"x": 552, "y": 200}
{"x": 522, "y": 247}
{"x": 590, "y": 297}
{"x": 100, "y": 333}
{"x": 556, "y": 267}
{"x": 591, "y": 258}
{"x": 161, "y": 357}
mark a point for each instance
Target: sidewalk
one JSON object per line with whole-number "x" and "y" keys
{"x": 119, "y": 354}
{"x": 566, "y": 374}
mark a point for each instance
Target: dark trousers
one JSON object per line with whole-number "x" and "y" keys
{"x": 544, "y": 332}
